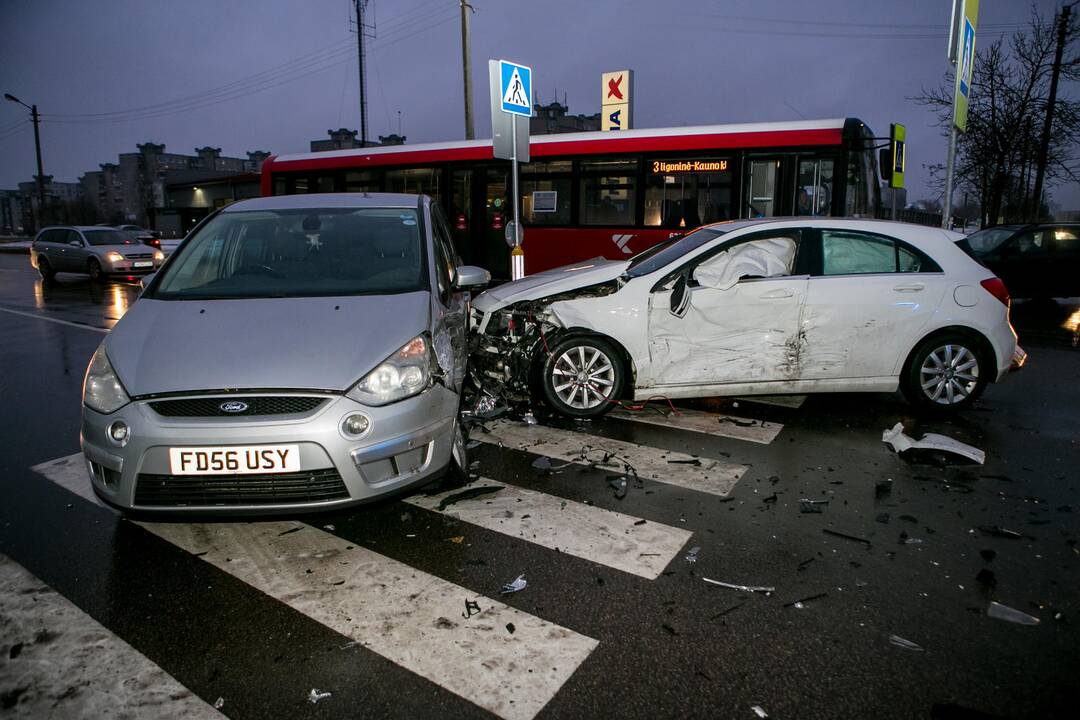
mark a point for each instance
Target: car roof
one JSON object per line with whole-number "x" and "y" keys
{"x": 326, "y": 201}
{"x": 868, "y": 224}
{"x": 80, "y": 228}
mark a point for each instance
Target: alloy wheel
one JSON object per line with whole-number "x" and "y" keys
{"x": 949, "y": 374}
{"x": 583, "y": 377}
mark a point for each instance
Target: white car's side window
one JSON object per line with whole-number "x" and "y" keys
{"x": 854, "y": 253}
{"x": 769, "y": 257}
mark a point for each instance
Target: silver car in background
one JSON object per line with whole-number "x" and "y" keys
{"x": 300, "y": 352}
{"x": 95, "y": 251}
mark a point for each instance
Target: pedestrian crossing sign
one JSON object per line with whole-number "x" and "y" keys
{"x": 516, "y": 88}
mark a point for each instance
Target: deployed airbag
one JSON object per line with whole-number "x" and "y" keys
{"x": 759, "y": 258}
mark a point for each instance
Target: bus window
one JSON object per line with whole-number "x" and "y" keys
{"x": 761, "y": 188}
{"x": 279, "y": 186}
{"x": 362, "y": 181}
{"x": 324, "y": 184}
{"x": 814, "y": 187}
{"x": 608, "y": 192}
{"x": 301, "y": 186}
{"x": 414, "y": 180}
{"x": 545, "y": 193}
{"x": 687, "y": 192}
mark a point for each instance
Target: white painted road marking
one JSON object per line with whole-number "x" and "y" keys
{"x": 731, "y": 426}
{"x": 408, "y": 616}
{"x": 585, "y": 531}
{"x": 39, "y": 316}
{"x": 112, "y": 678}
{"x": 711, "y": 476}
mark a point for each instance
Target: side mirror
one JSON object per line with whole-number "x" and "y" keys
{"x": 680, "y": 297}
{"x": 470, "y": 277}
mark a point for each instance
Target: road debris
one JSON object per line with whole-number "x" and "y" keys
{"x": 618, "y": 484}
{"x": 457, "y": 539}
{"x": 471, "y": 608}
{"x": 901, "y": 443}
{"x": 758, "y": 711}
{"x": 744, "y": 588}
{"x": 316, "y": 695}
{"x": 219, "y": 703}
{"x": 529, "y": 418}
{"x": 839, "y": 534}
{"x": 800, "y": 603}
{"x": 1004, "y": 612}
{"x": 544, "y": 466}
{"x": 905, "y": 539}
{"x": 510, "y": 628}
{"x": 331, "y": 528}
{"x": 905, "y": 644}
{"x": 806, "y": 505}
{"x": 733, "y": 608}
{"x": 517, "y": 585}
{"x": 468, "y": 494}
{"x": 1001, "y": 532}
{"x": 693, "y": 554}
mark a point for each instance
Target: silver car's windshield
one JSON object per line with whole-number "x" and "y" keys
{"x": 298, "y": 253}
{"x": 108, "y": 237}
{"x": 648, "y": 261}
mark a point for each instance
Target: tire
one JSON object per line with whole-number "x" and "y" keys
{"x": 94, "y": 268}
{"x": 946, "y": 373}
{"x": 45, "y": 269}
{"x": 582, "y": 376}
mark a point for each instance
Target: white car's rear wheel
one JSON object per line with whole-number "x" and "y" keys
{"x": 582, "y": 376}
{"x": 947, "y": 372}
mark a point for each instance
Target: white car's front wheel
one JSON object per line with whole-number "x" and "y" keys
{"x": 582, "y": 376}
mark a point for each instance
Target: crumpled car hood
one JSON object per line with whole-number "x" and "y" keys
{"x": 551, "y": 282}
{"x": 164, "y": 346}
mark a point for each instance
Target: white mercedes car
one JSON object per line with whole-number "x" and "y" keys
{"x": 754, "y": 307}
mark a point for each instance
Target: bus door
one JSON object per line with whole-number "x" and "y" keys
{"x": 493, "y": 209}
{"x": 460, "y": 213}
{"x": 765, "y": 180}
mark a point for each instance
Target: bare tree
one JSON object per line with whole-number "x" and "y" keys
{"x": 996, "y": 156}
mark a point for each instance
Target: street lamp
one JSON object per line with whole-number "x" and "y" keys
{"x": 37, "y": 148}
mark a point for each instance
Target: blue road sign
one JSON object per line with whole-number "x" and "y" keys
{"x": 966, "y": 58}
{"x": 516, "y": 88}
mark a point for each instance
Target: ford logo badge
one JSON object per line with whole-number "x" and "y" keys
{"x": 233, "y": 406}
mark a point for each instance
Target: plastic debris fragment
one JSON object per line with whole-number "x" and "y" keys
{"x": 468, "y": 494}
{"x": 529, "y": 418}
{"x": 906, "y": 644}
{"x": 219, "y": 703}
{"x": 619, "y": 486}
{"x": 806, "y": 505}
{"x": 1004, "y": 612}
{"x": 457, "y": 539}
{"x": 930, "y": 441}
{"x": 744, "y": 588}
{"x": 758, "y": 711}
{"x": 517, "y": 585}
{"x": 471, "y": 608}
{"x": 331, "y": 528}
{"x": 316, "y": 695}
{"x": 999, "y": 532}
{"x": 692, "y": 555}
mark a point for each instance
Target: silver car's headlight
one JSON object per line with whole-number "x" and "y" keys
{"x": 102, "y": 390}
{"x": 405, "y": 373}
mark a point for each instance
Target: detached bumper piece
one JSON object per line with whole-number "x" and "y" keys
{"x": 313, "y": 486}
{"x": 1020, "y": 357}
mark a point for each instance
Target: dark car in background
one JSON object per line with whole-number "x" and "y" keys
{"x": 1036, "y": 260}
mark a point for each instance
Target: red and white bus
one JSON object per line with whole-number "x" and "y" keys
{"x": 609, "y": 193}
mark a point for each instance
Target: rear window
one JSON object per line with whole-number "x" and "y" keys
{"x": 984, "y": 241}
{"x": 299, "y": 253}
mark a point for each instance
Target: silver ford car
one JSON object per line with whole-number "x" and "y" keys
{"x": 302, "y": 352}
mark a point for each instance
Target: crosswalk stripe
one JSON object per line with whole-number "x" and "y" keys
{"x": 408, "y": 616}
{"x": 664, "y": 466}
{"x": 602, "y": 536}
{"x": 53, "y": 647}
{"x": 731, "y": 426}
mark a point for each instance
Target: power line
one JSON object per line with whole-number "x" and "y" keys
{"x": 836, "y": 23}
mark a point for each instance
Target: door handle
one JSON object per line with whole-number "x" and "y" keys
{"x": 913, "y": 287}
{"x": 777, "y": 294}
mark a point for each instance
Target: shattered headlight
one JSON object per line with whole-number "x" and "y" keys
{"x": 407, "y": 372}
{"x": 102, "y": 390}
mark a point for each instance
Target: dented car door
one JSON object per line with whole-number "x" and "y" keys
{"x": 740, "y": 320}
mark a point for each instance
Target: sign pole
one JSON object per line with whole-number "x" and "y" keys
{"x": 516, "y": 272}
{"x": 946, "y": 205}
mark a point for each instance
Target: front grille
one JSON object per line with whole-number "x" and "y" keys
{"x": 138, "y": 256}
{"x": 312, "y": 486}
{"x": 260, "y": 405}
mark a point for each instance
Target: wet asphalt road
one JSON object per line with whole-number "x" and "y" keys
{"x": 670, "y": 647}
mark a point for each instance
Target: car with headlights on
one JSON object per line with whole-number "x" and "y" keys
{"x": 96, "y": 251}
{"x": 297, "y": 353}
{"x": 754, "y": 307}
{"x": 1040, "y": 260}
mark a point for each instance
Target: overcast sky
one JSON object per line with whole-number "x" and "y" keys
{"x": 274, "y": 74}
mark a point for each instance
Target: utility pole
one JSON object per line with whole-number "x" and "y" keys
{"x": 37, "y": 149}
{"x": 466, "y": 67}
{"x": 361, "y": 5}
{"x": 1044, "y": 145}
